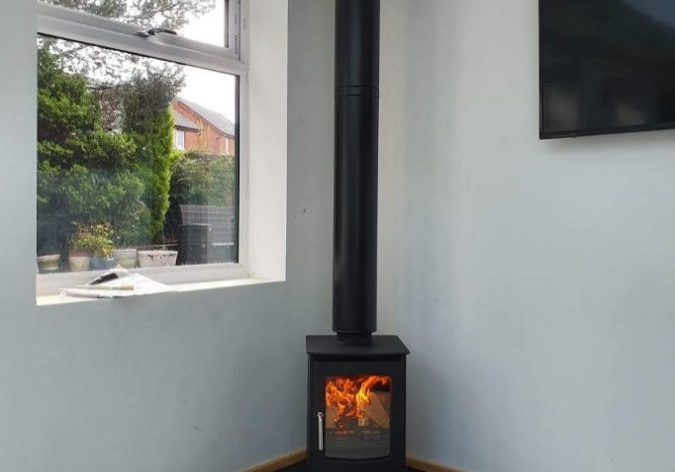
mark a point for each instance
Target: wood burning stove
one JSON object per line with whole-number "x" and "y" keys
{"x": 357, "y": 381}
{"x": 356, "y": 419}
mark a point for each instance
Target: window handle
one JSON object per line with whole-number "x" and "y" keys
{"x": 154, "y": 32}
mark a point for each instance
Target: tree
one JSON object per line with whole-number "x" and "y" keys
{"x": 149, "y": 122}
{"x": 86, "y": 174}
{"x": 171, "y": 14}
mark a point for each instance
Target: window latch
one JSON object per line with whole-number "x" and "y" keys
{"x": 154, "y": 32}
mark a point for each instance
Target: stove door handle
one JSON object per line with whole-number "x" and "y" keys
{"x": 320, "y": 416}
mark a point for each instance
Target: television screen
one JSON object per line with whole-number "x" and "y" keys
{"x": 606, "y": 66}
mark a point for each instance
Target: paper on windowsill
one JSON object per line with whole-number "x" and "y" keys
{"x": 118, "y": 283}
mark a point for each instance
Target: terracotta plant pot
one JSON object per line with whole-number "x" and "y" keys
{"x": 125, "y": 257}
{"x": 79, "y": 262}
{"x": 49, "y": 263}
{"x": 157, "y": 258}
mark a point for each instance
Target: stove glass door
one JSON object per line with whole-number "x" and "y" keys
{"x": 357, "y": 417}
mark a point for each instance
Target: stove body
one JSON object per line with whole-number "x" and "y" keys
{"x": 356, "y": 400}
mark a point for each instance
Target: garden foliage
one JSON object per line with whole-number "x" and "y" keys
{"x": 106, "y": 157}
{"x": 91, "y": 175}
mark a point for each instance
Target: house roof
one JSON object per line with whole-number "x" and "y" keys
{"x": 182, "y": 121}
{"x": 218, "y": 120}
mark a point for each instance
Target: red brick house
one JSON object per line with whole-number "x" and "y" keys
{"x": 198, "y": 128}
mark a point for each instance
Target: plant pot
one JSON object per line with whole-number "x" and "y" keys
{"x": 49, "y": 263}
{"x": 102, "y": 263}
{"x": 79, "y": 263}
{"x": 157, "y": 258}
{"x": 125, "y": 257}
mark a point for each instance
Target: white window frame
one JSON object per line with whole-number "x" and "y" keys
{"x": 86, "y": 28}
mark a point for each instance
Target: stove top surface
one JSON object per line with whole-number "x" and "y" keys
{"x": 380, "y": 347}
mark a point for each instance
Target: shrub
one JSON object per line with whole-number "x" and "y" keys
{"x": 94, "y": 240}
{"x": 199, "y": 179}
{"x": 90, "y": 197}
{"x": 203, "y": 180}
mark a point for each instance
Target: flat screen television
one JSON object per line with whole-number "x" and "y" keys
{"x": 606, "y": 66}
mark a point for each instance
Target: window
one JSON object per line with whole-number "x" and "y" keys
{"x": 179, "y": 140}
{"x": 214, "y": 22}
{"x": 134, "y": 99}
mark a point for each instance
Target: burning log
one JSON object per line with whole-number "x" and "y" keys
{"x": 331, "y": 416}
{"x": 376, "y": 412}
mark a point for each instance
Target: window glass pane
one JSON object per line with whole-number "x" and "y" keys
{"x": 133, "y": 153}
{"x": 179, "y": 140}
{"x": 201, "y": 20}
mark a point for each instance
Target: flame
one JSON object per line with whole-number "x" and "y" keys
{"x": 350, "y": 395}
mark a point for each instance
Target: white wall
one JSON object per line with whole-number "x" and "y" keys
{"x": 533, "y": 281}
{"x": 206, "y": 382}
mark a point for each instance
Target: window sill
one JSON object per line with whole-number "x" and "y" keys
{"x": 52, "y": 284}
{"x": 60, "y": 299}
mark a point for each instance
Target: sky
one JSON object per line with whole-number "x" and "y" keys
{"x": 210, "y": 89}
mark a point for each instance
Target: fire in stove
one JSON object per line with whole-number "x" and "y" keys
{"x": 358, "y": 400}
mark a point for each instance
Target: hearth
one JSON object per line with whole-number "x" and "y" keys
{"x": 357, "y": 381}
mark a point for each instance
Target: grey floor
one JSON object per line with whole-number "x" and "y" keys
{"x": 302, "y": 468}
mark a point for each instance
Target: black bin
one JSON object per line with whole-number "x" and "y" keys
{"x": 193, "y": 244}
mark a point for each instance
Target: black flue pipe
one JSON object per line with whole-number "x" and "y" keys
{"x": 357, "y": 70}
